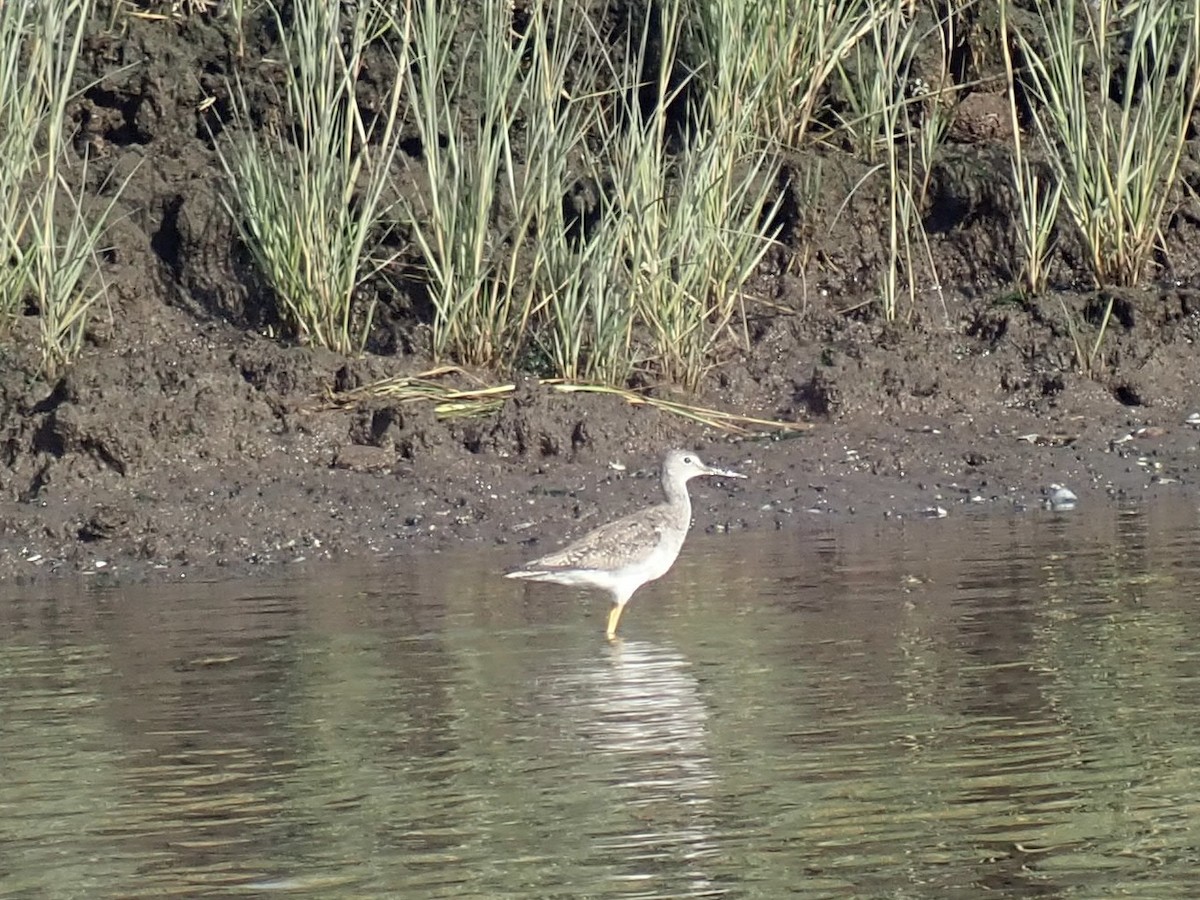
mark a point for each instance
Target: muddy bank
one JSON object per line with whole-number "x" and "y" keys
{"x": 191, "y": 440}
{"x": 214, "y": 453}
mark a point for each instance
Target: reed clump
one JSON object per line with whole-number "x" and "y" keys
{"x": 51, "y": 227}
{"x": 310, "y": 193}
{"x": 648, "y": 275}
{"x": 1112, "y": 87}
{"x": 579, "y": 206}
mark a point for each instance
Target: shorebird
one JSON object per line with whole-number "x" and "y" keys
{"x": 625, "y": 554}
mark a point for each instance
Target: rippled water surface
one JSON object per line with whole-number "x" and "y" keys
{"x": 963, "y": 708}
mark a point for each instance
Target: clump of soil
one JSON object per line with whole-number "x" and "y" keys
{"x": 189, "y": 438}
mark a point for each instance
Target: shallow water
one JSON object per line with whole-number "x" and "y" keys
{"x": 955, "y": 708}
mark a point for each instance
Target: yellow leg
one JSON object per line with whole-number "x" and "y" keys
{"x": 614, "y": 616}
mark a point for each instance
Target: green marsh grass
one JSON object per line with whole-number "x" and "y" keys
{"x": 22, "y": 109}
{"x": 693, "y": 245}
{"x": 1038, "y": 197}
{"x": 769, "y": 63}
{"x": 686, "y": 228}
{"x": 237, "y": 10}
{"x": 1111, "y": 93}
{"x": 51, "y": 231}
{"x": 769, "y": 67}
{"x": 490, "y": 225}
{"x": 874, "y": 82}
{"x": 648, "y": 276}
{"x": 883, "y": 126}
{"x": 310, "y": 197}
{"x": 1086, "y": 353}
{"x": 464, "y": 150}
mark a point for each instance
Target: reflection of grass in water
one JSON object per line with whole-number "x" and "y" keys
{"x": 1112, "y": 656}
{"x": 1029, "y": 721}
{"x": 66, "y": 792}
{"x": 990, "y": 707}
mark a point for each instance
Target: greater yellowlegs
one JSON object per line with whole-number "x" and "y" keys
{"x": 624, "y": 554}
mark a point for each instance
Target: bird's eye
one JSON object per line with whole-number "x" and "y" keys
{"x": 688, "y": 460}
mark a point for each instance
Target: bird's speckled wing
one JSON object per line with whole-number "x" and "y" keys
{"x": 619, "y": 543}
